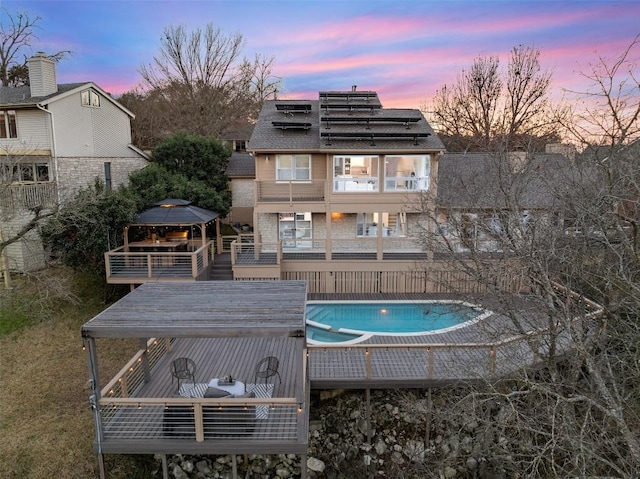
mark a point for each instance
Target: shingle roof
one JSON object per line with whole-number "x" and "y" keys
{"x": 341, "y": 121}
{"x": 477, "y": 180}
{"x": 265, "y": 137}
{"x": 241, "y": 165}
{"x": 21, "y": 96}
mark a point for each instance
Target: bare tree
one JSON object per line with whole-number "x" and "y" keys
{"x": 16, "y": 34}
{"x": 485, "y": 106}
{"x": 202, "y": 82}
{"x": 577, "y": 414}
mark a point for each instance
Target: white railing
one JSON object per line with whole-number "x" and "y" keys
{"x": 26, "y": 196}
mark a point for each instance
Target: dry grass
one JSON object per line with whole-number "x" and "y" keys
{"x": 45, "y": 420}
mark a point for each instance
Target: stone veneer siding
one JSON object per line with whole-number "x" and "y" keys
{"x": 77, "y": 173}
{"x": 242, "y": 192}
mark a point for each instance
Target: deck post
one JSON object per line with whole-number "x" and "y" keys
{"x": 145, "y": 360}
{"x": 101, "y": 469}
{"x": 234, "y": 465}
{"x": 165, "y": 467}
{"x": 368, "y": 401}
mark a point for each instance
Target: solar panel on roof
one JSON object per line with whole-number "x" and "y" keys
{"x": 360, "y": 135}
{"x": 291, "y": 125}
{"x": 293, "y": 108}
{"x": 369, "y": 119}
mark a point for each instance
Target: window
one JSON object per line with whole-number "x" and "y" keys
{"x": 239, "y": 145}
{"x": 355, "y": 173}
{"x": 107, "y": 175}
{"x": 8, "y": 128}
{"x": 406, "y": 173}
{"x": 296, "y": 230}
{"x": 25, "y": 172}
{"x": 389, "y": 224}
{"x": 90, "y": 98}
{"x": 293, "y": 167}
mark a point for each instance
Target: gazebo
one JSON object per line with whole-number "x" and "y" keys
{"x": 175, "y": 213}
{"x": 168, "y": 248}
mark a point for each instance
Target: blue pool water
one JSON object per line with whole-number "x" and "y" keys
{"x": 338, "y": 322}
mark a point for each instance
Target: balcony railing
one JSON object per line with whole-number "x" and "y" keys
{"x": 136, "y": 267}
{"x": 271, "y": 190}
{"x": 20, "y": 197}
{"x": 364, "y": 248}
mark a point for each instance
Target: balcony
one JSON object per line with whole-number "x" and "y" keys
{"x": 26, "y": 196}
{"x": 364, "y": 248}
{"x": 289, "y": 191}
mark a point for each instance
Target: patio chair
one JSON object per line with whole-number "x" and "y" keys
{"x": 183, "y": 368}
{"x": 267, "y": 368}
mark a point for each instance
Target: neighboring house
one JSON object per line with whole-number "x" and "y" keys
{"x": 339, "y": 193}
{"x": 54, "y": 140}
{"x": 483, "y": 198}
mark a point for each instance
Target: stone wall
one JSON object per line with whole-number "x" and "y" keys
{"x": 77, "y": 173}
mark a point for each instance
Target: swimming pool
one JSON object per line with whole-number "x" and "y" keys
{"x": 350, "y": 322}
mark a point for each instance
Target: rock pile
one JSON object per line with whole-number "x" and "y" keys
{"x": 410, "y": 438}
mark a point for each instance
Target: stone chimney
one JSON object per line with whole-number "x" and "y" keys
{"x": 42, "y": 75}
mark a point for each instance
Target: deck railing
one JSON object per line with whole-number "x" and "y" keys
{"x": 447, "y": 362}
{"x": 131, "y": 376}
{"x": 228, "y": 240}
{"x": 141, "y": 265}
{"x": 289, "y": 191}
{"x": 201, "y": 419}
{"x": 256, "y": 253}
{"x": 125, "y": 417}
{"x": 364, "y": 248}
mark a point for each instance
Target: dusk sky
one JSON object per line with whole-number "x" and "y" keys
{"x": 403, "y": 49}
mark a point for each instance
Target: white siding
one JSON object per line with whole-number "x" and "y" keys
{"x": 27, "y": 254}
{"x": 33, "y": 132}
{"x": 83, "y": 131}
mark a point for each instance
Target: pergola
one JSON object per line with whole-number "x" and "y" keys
{"x": 224, "y": 326}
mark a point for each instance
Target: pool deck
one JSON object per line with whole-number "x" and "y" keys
{"x": 495, "y": 347}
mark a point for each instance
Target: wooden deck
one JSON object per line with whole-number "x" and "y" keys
{"x": 226, "y": 328}
{"x": 491, "y": 348}
{"x": 137, "y": 267}
{"x": 141, "y": 421}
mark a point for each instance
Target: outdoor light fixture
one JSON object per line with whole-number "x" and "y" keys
{"x": 336, "y": 215}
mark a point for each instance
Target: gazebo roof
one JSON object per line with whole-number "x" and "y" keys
{"x": 175, "y": 212}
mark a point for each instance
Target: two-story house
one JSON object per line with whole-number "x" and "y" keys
{"x": 54, "y": 140}
{"x": 340, "y": 191}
